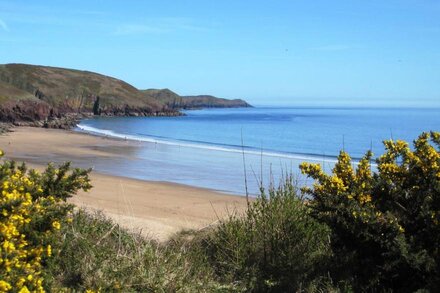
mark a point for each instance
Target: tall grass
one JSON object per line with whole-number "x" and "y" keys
{"x": 95, "y": 253}
{"x": 275, "y": 246}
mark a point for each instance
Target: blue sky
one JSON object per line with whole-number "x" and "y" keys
{"x": 352, "y": 52}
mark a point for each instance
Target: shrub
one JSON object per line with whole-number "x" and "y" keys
{"x": 32, "y": 210}
{"x": 275, "y": 246}
{"x": 95, "y": 253}
{"x": 385, "y": 232}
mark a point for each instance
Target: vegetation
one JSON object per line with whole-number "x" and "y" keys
{"x": 33, "y": 210}
{"x": 174, "y": 101}
{"x": 35, "y": 93}
{"x": 385, "y": 231}
{"x": 96, "y": 254}
{"x": 360, "y": 228}
{"x": 274, "y": 247}
{"x": 207, "y": 101}
{"x": 72, "y": 91}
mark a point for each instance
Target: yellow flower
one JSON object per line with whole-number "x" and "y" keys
{"x": 5, "y": 286}
{"x": 49, "y": 250}
{"x": 368, "y": 198}
{"x": 364, "y": 198}
{"x": 24, "y": 290}
{"x": 56, "y": 225}
{"x": 401, "y": 229}
{"x": 21, "y": 282}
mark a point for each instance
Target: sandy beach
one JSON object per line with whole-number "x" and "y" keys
{"x": 157, "y": 209}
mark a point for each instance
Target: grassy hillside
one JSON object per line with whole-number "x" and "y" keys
{"x": 69, "y": 90}
{"x": 206, "y": 101}
{"x": 174, "y": 101}
{"x": 163, "y": 96}
{"x": 32, "y": 93}
{"x": 9, "y": 92}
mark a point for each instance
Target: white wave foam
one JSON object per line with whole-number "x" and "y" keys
{"x": 111, "y": 133}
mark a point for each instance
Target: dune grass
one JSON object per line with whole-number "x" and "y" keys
{"x": 94, "y": 253}
{"x": 274, "y": 247}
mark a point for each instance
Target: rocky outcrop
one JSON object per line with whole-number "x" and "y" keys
{"x": 137, "y": 112}
{"x": 27, "y": 110}
{"x": 36, "y": 113}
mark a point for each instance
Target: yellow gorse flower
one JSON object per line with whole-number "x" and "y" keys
{"x": 23, "y": 204}
{"x": 56, "y": 225}
{"x": 20, "y": 262}
{"x": 398, "y": 202}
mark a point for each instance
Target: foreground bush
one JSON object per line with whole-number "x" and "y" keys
{"x": 385, "y": 231}
{"x": 32, "y": 211}
{"x": 97, "y": 254}
{"x": 274, "y": 247}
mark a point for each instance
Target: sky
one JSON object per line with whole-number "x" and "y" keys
{"x": 292, "y": 52}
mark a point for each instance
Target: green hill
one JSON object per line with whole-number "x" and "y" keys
{"x": 163, "y": 96}
{"x": 68, "y": 90}
{"x": 206, "y": 101}
{"x": 30, "y": 93}
{"x": 174, "y": 101}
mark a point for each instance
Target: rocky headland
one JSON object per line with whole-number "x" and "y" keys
{"x": 54, "y": 97}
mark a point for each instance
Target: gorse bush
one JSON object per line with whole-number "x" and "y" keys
{"x": 274, "y": 247}
{"x": 385, "y": 232}
{"x": 32, "y": 211}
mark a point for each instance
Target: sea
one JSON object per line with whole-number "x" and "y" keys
{"x": 238, "y": 150}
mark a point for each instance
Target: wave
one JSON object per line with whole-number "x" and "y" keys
{"x": 206, "y": 146}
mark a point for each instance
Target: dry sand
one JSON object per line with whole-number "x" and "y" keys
{"x": 157, "y": 209}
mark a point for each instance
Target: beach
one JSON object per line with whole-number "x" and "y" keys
{"x": 155, "y": 209}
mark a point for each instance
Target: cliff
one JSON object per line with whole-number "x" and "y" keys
{"x": 30, "y": 92}
{"x": 57, "y": 97}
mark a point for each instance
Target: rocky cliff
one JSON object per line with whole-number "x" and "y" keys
{"x": 57, "y": 97}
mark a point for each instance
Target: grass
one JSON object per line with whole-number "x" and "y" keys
{"x": 71, "y": 91}
{"x": 95, "y": 253}
{"x": 274, "y": 247}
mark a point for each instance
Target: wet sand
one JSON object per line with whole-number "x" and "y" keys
{"x": 157, "y": 209}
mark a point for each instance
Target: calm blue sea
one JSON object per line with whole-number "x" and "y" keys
{"x": 205, "y": 148}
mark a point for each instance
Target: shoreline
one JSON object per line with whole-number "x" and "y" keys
{"x": 248, "y": 150}
{"x": 154, "y": 208}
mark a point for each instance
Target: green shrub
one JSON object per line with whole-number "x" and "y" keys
{"x": 275, "y": 246}
{"x": 385, "y": 231}
{"x": 32, "y": 210}
{"x": 95, "y": 253}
